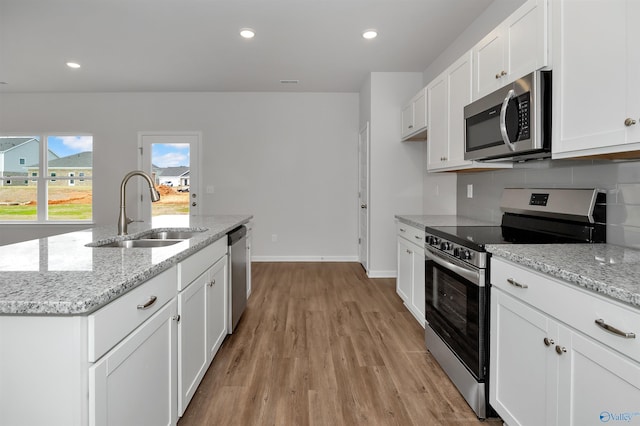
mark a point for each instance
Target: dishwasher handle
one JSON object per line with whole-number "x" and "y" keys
{"x": 236, "y": 235}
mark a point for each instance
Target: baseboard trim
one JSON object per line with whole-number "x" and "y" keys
{"x": 304, "y": 258}
{"x": 382, "y": 274}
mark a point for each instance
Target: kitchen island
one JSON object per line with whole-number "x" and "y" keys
{"x": 107, "y": 335}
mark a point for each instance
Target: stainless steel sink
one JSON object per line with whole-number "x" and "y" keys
{"x": 142, "y": 243}
{"x": 170, "y": 235}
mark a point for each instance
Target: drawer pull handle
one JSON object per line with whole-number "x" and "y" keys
{"x": 148, "y": 303}
{"x": 516, "y": 283}
{"x": 402, "y": 230}
{"x": 417, "y": 238}
{"x": 614, "y": 330}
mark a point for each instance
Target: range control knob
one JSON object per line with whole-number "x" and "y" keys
{"x": 465, "y": 254}
{"x": 456, "y": 251}
{"x": 433, "y": 240}
{"x": 446, "y": 245}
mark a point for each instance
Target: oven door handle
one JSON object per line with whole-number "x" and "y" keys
{"x": 503, "y": 120}
{"x": 469, "y": 273}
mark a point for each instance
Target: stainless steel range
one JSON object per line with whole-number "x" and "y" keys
{"x": 457, "y": 273}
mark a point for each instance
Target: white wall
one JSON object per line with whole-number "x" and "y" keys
{"x": 396, "y": 168}
{"x": 290, "y": 159}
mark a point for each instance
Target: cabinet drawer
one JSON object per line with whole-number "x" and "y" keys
{"x": 572, "y": 305}
{"x": 412, "y": 234}
{"x": 112, "y": 323}
{"x": 193, "y": 266}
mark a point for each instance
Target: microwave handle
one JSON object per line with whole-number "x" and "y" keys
{"x": 503, "y": 120}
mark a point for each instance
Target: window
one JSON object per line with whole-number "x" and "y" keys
{"x": 45, "y": 188}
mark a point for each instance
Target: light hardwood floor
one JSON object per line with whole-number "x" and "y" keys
{"x": 322, "y": 344}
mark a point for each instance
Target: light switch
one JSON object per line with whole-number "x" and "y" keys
{"x": 210, "y": 189}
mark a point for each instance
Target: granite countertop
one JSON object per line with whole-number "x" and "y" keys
{"x": 423, "y": 221}
{"x": 60, "y": 275}
{"x": 607, "y": 269}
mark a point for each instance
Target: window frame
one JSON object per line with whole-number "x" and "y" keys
{"x": 43, "y": 179}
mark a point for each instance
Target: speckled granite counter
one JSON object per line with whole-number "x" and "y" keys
{"x": 423, "y": 221}
{"x": 60, "y": 275}
{"x": 604, "y": 268}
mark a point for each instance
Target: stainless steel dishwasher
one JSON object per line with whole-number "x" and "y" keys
{"x": 238, "y": 278}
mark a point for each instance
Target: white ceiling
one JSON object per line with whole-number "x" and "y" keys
{"x": 194, "y": 45}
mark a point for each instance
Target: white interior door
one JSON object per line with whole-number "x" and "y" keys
{"x": 363, "y": 197}
{"x": 172, "y": 159}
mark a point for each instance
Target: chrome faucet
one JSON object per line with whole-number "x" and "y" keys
{"x": 123, "y": 220}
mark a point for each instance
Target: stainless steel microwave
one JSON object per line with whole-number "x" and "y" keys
{"x": 512, "y": 123}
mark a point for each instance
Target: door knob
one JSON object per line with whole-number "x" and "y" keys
{"x": 363, "y": 206}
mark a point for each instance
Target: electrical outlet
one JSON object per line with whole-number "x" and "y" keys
{"x": 470, "y": 190}
{"x": 274, "y": 238}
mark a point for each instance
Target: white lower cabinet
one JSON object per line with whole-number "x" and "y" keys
{"x": 202, "y": 309}
{"x": 550, "y": 362}
{"x": 135, "y": 382}
{"x": 410, "y": 279}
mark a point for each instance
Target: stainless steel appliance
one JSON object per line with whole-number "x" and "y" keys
{"x": 513, "y": 122}
{"x": 457, "y": 275}
{"x": 238, "y": 278}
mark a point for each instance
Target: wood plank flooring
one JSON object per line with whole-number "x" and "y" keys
{"x": 322, "y": 344}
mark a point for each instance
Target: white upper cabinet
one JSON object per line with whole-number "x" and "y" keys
{"x": 515, "y": 48}
{"x": 414, "y": 118}
{"x": 447, "y": 96}
{"x": 596, "y": 83}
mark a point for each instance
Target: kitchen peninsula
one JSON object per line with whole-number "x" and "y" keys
{"x": 87, "y": 332}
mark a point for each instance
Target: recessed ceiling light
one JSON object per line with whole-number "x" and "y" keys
{"x": 289, "y": 81}
{"x": 369, "y": 34}
{"x": 3, "y": 82}
{"x": 247, "y": 33}
{"x": 74, "y": 65}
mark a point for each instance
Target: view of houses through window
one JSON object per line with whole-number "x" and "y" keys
{"x": 170, "y": 169}
{"x": 46, "y": 178}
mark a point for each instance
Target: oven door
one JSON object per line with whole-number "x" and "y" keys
{"x": 455, "y": 308}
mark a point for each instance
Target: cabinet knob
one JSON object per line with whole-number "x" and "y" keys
{"x": 409, "y": 251}
{"x": 503, "y": 73}
{"x": 212, "y": 282}
{"x": 176, "y": 318}
{"x": 497, "y": 76}
{"x": 548, "y": 342}
{"x": 363, "y": 206}
{"x": 560, "y": 349}
{"x": 629, "y": 122}
{"x": 410, "y": 126}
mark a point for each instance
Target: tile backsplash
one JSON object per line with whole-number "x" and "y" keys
{"x": 621, "y": 181}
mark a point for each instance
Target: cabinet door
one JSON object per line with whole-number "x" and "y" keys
{"x": 417, "y": 285}
{"x": 522, "y": 378}
{"x": 459, "y": 84}
{"x": 192, "y": 349}
{"x": 438, "y": 122}
{"x": 488, "y": 64}
{"x": 633, "y": 73}
{"x": 596, "y": 384}
{"x": 405, "y": 270}
{"x": 420, "y": 110}
{"x": 526, "y": 40}
{"x": 217, "y": 314}
{"x": 135, "y": 383}
{"x": 407, "y": 119}
{"x": 590, "y": 58}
